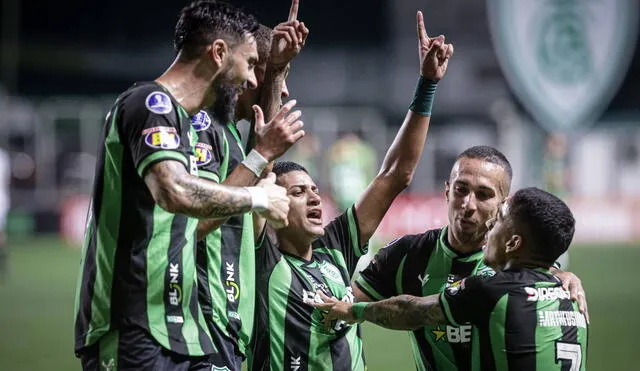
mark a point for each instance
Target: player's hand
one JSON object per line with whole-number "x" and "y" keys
{"x": 434, "y": 53}
{"x": 572, "y": 283}
{"x": 278, "y": 209}
{"x": 288, "y": 38}
{"x": 336, "y": 309}
{"x": 274, "y": 138}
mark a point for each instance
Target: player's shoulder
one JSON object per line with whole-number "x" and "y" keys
{"x": 412, "y": 243}
{"x": 147, "y": 94}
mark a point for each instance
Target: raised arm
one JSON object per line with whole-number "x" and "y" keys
{"x": 402, "y": 157}
{"x": 403, "y": 312}
{"x": 288, "y": 39}
{"x": 273, "y": 139}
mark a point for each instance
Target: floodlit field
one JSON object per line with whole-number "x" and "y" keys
{"x": 36, "y": 310}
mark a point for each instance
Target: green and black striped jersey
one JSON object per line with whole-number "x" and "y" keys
{"x": 290, "y": 334}
{"x": 423, "y": 265}
{"x": 525, "y": 321}
{"x": 138, "y": 260}
{"x": 226, "y": 257}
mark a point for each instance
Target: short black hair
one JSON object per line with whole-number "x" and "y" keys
{"x": 546, "y": 221}
{"x": 204, "y": 21}
{"x": 283, "y": 167}
{"x": 489, "y": 154}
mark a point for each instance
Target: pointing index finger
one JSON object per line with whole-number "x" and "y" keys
{"x": 422, "y": 33}
{"x": 293, "y": 11}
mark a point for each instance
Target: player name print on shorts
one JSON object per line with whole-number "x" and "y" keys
{"x": 162, "y": 137}
{"x": 158, "y": 102}
{"x": 201, "y": 121}
{"x": 203, "y": 154}
{"x": 564, "y": 60}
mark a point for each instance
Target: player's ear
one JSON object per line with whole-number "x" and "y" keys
{"x": 219, "y": 51}
{"x": 446, "y": 190}
{"x": 514, "y": 243}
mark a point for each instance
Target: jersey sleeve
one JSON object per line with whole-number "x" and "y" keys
{"x": 464, "y": 301}
{"x": 150, "y": 126}
{"x": 210, "y": 149}
{"x": 343, "y": 234}
{"x": 378, "y": 279}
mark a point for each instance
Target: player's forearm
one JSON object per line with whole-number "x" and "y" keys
{"x": 402, "y": 158}
{"x": 241, "y": 176}
{"x": 270, "y": 100}
{"x": 178, "y": 192}
{"x": 405, "y": 312}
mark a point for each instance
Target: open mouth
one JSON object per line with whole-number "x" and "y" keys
{"x": 315, "y": 215}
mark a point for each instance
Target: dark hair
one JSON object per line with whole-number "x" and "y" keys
{"x": 488, "y": 154}
{"x": 263, "y": 41}
{"x": 283, "y": 167}
{"x": 203, "y": 21}
{"x": 546, "y": 220}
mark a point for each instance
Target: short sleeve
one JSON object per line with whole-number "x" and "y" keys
{"x": 343, "y": 234}
{"x": 462, "y": 301}
{"x": 150, "y": 126}
{"x": 378, "y": 279}
{"x": 211, "y": 147}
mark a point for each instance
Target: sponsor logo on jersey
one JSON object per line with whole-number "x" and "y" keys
{"x": 162, "y": 137}
{"x": 558, "y": 318}
{"x": 203, "y": 154}
{"x": 201, "y": 121}
{"x": 108, "y": 365}
{"x": 295, "y": 363}
{"x": 546, "y": 293}
{"x": 423, "y": 280}
{"x": 485, "y": 271}
{"x": 158, "y": 102}
{"x": 234, "y": 315}
{"x": 175, "y": 291}
{"x": 331, "y": 272}
{"x": 453, "y": 334}
{"x": 232, "y": 290}
{"x": 455, "y": 287}
{"x": 175, "y": 319}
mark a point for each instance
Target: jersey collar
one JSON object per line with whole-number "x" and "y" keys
{"x": 443, "y": 244}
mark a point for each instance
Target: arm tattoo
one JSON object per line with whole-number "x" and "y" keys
{"x": 177, "y": 191}
{"x": 405, "y": 312}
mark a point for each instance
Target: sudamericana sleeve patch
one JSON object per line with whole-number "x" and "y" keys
{"x": 201, "y": 121}
{"x": 158, "y": 102}
{"x": 162, "y": 137}
{"x": 203, "y": 154}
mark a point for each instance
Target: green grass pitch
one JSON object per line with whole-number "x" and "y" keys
{"x": 36, "y": 310}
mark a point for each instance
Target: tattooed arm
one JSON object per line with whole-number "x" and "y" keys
{"x": 403, "y": 312}
{"x": 176, "y": 191}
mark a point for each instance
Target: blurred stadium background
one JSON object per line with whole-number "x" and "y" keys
{"x": 62, "y": 65}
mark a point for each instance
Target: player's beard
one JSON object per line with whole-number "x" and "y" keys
{"x": 226, "y": 93}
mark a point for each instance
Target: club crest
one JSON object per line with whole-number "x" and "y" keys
{"x": 564, "y": 59}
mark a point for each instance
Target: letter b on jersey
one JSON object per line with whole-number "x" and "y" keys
{"x": 460, "y": 334}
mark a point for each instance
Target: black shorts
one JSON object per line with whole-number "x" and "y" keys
{"x": 132, "y": 348}
{"x": 228, "y": 356}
